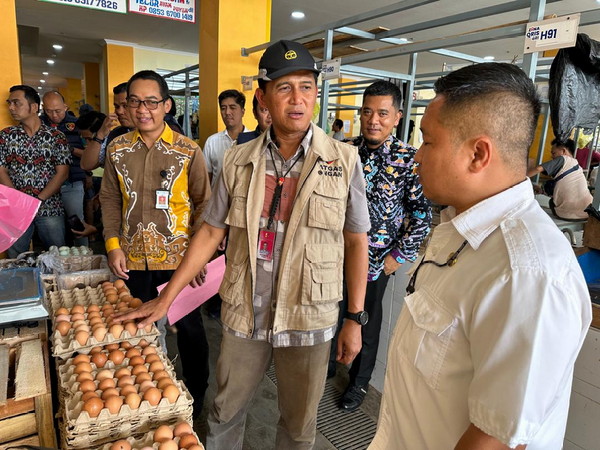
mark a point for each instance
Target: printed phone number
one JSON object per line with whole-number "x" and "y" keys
{"x": 106, "y": 4}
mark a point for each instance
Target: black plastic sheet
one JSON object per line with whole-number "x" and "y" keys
{"x": 574, "y": 88}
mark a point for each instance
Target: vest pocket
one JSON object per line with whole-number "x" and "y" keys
{"x": 425, "y": 339}
{"x": 236, "y": 217}
{"x": 323, "y": 273}
{"x": 326, "y": 212}
{"x": 233, "y": 284}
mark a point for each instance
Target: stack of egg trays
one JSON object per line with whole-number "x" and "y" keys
{"x": 64, "y": 346}
{"x": 146, "y": 440}
{"x": 79, "y": 430}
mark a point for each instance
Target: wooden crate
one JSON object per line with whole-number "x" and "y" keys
{"x": 25, "y": 396}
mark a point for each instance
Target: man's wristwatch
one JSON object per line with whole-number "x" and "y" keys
{"x": 362, "y": 317}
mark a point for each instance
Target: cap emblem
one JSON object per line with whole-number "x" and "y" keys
{"x": 290, "y": 54}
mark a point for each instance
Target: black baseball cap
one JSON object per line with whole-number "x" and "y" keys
{"x": 285, "y": 57}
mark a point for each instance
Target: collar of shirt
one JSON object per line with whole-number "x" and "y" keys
{"x": 43, "y": 127}
{"x": 226, "y": 134}
{"x": 479, "y": 221}
{"x": 304, "y": 144}
{"x": 383, "y": 148}
{"x": 166, "y": 136}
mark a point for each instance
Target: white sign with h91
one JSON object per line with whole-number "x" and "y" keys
{"x": 550, "y": 34}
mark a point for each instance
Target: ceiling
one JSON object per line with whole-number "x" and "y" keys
{"x": 81, "y": 32}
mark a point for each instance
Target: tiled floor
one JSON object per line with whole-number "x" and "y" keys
{"x": 263, "y": 414}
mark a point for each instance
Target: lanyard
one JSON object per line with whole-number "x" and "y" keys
{"x": 278, "y": 188}
{"x": 410, "y": 288}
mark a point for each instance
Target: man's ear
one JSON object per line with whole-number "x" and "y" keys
{"x": 168, "y": 104}
{"x": 482, "y": 151}
{"x": 260, "y": 96}
{"x": 398, "y": 117}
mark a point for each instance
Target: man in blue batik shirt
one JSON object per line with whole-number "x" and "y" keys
{"x": 400, "y": 218}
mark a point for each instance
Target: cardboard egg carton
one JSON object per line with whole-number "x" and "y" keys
{"x": 81, "y": 430}
{"x": 147, "y": 440}
{"x": 65, "y": 346}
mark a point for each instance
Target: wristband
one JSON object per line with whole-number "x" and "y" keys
{"x": 112, "y": 244}
{"x": 98, "y": 140}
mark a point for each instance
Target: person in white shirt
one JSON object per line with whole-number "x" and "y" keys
{"x": 232, "y": 104}
{"x": 338, "y": 129}
{"x": 497, "y": 308}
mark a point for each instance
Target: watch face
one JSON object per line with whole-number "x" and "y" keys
{"x": 363, "y": 317}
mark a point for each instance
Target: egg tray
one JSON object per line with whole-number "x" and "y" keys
{"x": 78, "y": 425}
{"x": 147, "y": 440}
{"x": 64, "y": 346}
{"x": 101, "y": 439}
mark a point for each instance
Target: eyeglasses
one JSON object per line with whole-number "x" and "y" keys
{"x": 410, "y": 288}
{"x": 148, "y": 104}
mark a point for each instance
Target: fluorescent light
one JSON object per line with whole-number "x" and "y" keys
{"x": 50, "y": 61}
{"x": 42, "y": 81}
{"x": 45, "y": 73}
{"x": 298, "y": 15}
{"x": 489, "y": 58}
{"x": 57, "y": 47}
{"x": 39, "y": 87}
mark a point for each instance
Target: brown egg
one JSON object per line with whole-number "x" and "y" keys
{"x": 81, "y": 324}
{"x": 143, "y": 343}
{"x": 110, "y": 290}
{"x": 126, "y": 345}
{"x": 145, "y": 385}
{"x": 128, "y": 389}
{"x": 187, "y": 440}
{"x": 152, "y": 357}
{"x": 148, "y": 350}
{"x": 94, "y": 314}
{"x": 77, "y": 316}
{"x": 135, "y": 302}
{"x": 133, "y": 352}
{"x": 163, "y": 433}
{"x": 82, "y": 337}
{"x": 121, "y": 445}
{"x": 82, "y": 367}
{"x": 106, "y": 306}
{"x": 83, "y": 376}
{"x": 124, "y": 295}
{"x": 77, "y": 309}
{"x": 63, "y": 328}
{"x": 89, "y": 394}
{"x": 152, "y": 396}
{"x": 63, "y": 318}
{"x": 195, "y": 447}
{"x": 160, "y": 374}
{"x": 87, "y": 386}
{"x": 116, "y": 356}
{"x": 133, "y": 400}
{"x": 107, "y": 284}
{"x": 95, "y": 350}
{"x": 148, "y": 328}
{"x": 93, "y": 406}
{"x": 112, "y": 298}
{"x": 107, "y": 383}
{"x": 109, "y": 393}
{"x": 104, "y": 374}
{"x": 113, "y": 404}
{"x": 122, "y": 290}
{"x": 92, "y": 308}
{"x": 171, "y": 393}
{"x": 131, "y": 328}
{"x": 140, "y": 368}
{"x": 99, "y": 333}
{"x": 61, "y": 311}
{"x": 95, "y": 321}
{"x": 116, "y": 330}
{"x": 136, "y": 360}
{"x": 111, "y": 347}
{"x": 168, "y": 445}
{"x": 144, "y": 376}
{"x": 182, "y": 428}
{"x": 118, "y": 284}
{"x": 164, "y": 382}
{"x": 81, "y": 358}
{"x": 99, "y": 359}
{"x": 125, "y": 380}
{"x": 122, "y": 372}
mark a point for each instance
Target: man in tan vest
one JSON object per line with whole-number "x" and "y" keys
{"x": 292, "y": 202}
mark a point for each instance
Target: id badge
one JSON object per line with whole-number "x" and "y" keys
{"x": 162, "y": 199}
{"x": 266, "y": 242}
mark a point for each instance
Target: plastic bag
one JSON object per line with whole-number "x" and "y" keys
{"x": 574, "y": 88}
{"x": 17, "y": 211}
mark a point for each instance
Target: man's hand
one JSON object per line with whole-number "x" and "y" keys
{"x": 199, "y": 279}
{"x": 88, "y": 230}
{"x": 106, "y": 127}
{"x": 150, "y": 312}
{"x": 390, "y": 265}
{"x": 117, "y": 263}
{"x": 349, "y": 341}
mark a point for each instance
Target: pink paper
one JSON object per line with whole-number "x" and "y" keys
{"x": 190, "y": 298}
{"x": 17, "y": 211}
